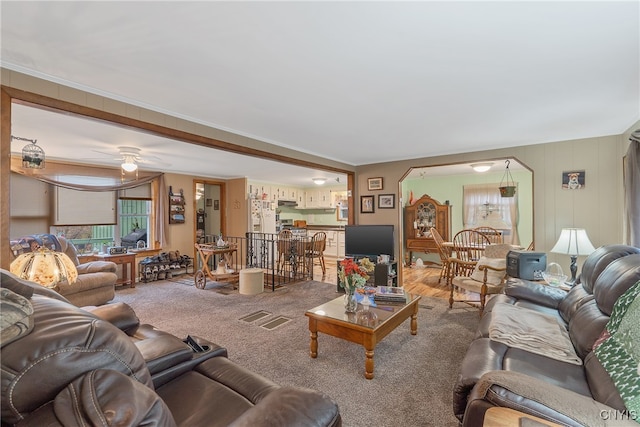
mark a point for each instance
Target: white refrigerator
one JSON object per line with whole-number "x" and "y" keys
{"x": 262, "y": 216}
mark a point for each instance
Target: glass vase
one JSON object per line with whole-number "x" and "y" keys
{"x": 350, "y": 303}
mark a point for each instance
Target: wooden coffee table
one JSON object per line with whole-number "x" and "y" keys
{"x": 330, "y": 318}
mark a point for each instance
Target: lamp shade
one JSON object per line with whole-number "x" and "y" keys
{"x": 573, "y": 241}
{"x": 45, "y": 267}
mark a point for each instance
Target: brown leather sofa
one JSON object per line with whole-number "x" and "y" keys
{"x": 496, "y": 374}
{"x": 77, "y": 367}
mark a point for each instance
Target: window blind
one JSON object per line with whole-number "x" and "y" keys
{"x": 73, "y": 207}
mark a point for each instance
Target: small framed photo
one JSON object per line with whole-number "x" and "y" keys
{"x": 374, "y": 184}
{"x": 366, "y": 204}
{"x": 216, "y": 205}
{"x": 208, "y": 202}
{"x": 573, "y": 180}
{"x": 386, "y": 201}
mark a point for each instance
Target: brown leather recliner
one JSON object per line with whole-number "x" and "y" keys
{"x": 496, "y": 374}
{"x": 74, "y": 368}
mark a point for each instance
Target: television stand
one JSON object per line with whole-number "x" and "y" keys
{"x": 384, "y": 274}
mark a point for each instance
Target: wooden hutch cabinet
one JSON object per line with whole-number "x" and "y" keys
{"x": 419, "y": 218}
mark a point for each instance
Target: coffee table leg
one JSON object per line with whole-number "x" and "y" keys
{"x": 368, "y": 364}
{"x": 313, "y": 331}
{"x": 414, "y": 322}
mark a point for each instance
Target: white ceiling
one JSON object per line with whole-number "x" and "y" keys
{"x": 358, "y": 82}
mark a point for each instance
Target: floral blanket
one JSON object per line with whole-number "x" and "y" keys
{"x": 618, "y": 349}
{"x": 33, "y": 242}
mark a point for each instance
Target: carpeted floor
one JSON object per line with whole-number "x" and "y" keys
{"x": 414, "y": 375}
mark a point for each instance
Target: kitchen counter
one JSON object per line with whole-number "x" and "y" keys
{"x": 325, "y": 227}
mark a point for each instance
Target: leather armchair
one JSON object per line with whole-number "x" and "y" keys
{"x": 495, "y": 374}
{"x": 73, "y": 367}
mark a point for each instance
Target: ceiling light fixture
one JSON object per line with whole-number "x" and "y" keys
{"x": 129, "y": 166}
{"x": 319, "y": 181}
{"x": 32, "y": 155}
{"x": 482, "y": 167}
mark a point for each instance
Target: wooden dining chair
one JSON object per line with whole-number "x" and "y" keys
{"x": 486, "y": 277}
{"x": 284, "y": 248}
{"x": 468, "y": 246}
{"x": 495, "y": 236}
{"x": 316, "y": 250}
{"x": 444, "y": 252}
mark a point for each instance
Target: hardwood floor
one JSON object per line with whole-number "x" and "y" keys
{"x": 421, "y": 281}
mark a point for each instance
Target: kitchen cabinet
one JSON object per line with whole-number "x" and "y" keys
{"x": 301, "y": 199}
{"x": 310, "y": 199}
{"x": 324, "y": 199}
{"x": 341, "y": 244}
{"x": 315, "y": 198}
{"x": 275, "y": 192}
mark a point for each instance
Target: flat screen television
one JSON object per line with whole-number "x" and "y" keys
{"x": 368, "y": 241}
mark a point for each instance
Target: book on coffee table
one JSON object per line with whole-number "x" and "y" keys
{"x": 390, "y": 294}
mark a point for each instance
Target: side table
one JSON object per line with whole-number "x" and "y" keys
{"x": 127, "y": 261}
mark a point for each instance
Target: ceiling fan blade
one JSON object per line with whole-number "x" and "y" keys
{"x": 112, "y": 155}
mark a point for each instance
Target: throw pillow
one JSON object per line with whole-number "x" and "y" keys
{"x": 493, "y": 277}
{"x": 619, "y": 353}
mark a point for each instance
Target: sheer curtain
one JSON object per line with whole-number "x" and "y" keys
{"x": 476, "y": 196}
{"x": 632, "y": 189}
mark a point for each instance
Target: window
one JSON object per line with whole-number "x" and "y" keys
{"x": 133, "y": 217}
{"x": 483, "y": 206}
{"x": 133, "y": 214}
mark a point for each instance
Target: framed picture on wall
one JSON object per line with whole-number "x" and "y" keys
{"x": 374, "y": 184}
{"x": 216, "y": 205}
{"x": 386, "y": 201}
{"x": 366, "y": 204}
{"x": 573, "y": 180}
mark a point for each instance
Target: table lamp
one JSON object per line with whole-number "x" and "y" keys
{"x": 45, "y": 267}
{"x": 573, "y": 242}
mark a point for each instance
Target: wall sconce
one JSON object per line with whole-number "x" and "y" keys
{"x": 573, "y": 242}
{"x": 45, "y": 267}
{"x": 482, "y": 167}
{"x": 319, "y": 181}
{"x": 32, "y": 155}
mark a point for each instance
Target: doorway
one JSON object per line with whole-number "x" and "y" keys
{"x": 209, "y": 210}
{"x": 446, "y": 184}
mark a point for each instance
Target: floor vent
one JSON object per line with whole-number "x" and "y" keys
{"x": 275, "y": 322}
{"x": 255, "y": 316}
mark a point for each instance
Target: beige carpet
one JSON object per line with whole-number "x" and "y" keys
{"x": 414, "y": 375}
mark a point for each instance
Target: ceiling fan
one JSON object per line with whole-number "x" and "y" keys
{"x": 130, "y": 158}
